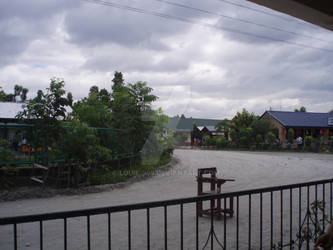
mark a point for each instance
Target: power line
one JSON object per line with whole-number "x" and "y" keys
{"x": 157, "y": 14}
{"x": 239, "y": 20}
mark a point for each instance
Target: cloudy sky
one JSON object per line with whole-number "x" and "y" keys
{"x": 203, "y": 59}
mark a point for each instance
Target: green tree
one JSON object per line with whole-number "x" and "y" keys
{"x": 24, "y": 94}
{"x": 160, "y": 142}
{"x": 118, "y": 80}
{"x": 17, "y": 91}
{"x": 94, "y": 110}
{"x": 223, "y": 126}
{"x": 2, "y": 95}
{"x": 308, "y": 141}
{"x": 47, "y": 109}
{"x": 302, "y": 109}
{"x": 81, "y": 144}
{"x": 271, "y": 138}
{"x": 290, "y": 136}
{"x": 239, "y": 125}
{"x": 221, "y": 141}
{"x": 132, "y": 112}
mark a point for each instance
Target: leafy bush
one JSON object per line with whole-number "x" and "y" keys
{"x": 246, "y": 135}
{"x": 221, "y": 142}
{"x": 5, "y": 153}
{"x": 209, "y": 141}
{"x": 259, "y": 141}
{"x": 82, "y": 145}
{"x": 271, "y": 138}
{"x": 308, "y": 141}
{"x": 290, "y": 135}
{"x": 331, "y": 142}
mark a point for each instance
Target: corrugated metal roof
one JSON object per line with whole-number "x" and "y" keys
{"x": 173, "y": 122}
{"x": 10, "y": 109}
{"x": 301, "y": 119}
{"x": 186, "y": 124}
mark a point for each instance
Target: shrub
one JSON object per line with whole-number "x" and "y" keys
{"x": 5, "y": 153}
{"x": 221, "y": 142}
{"x": 308, "y": 141}
{"x": 259, "y": 141}
{"x": 209, "y": 141}
{"x": 271, "y": 138}
{"x": 290, "y": 135}
{"x": 331, "y": 142}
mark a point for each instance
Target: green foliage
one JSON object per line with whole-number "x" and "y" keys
{"x": 180, "y": 137}
{"x": 18, "y": 91}
{"x": 290, "y": 135}
{"x": 132, "y": 112}
{"x": 331, "y": 142}
{"x": 302, "y": 109}
{"x": 5, "y": 154}
{"x": 222, "y": 126}
{"x": 259, "y": 141}
{"x": 159, "y": 142}
{"x": 2, "y": 95}
{"x": 221, "y": 142}
{"x": 239, "y": 125}
{"x": 262, "y": 127}
{"x": 81, "y": 144}
{"x": 271, "y": 138}
{"x": 93, "y": 110}
{"x": 246, "y": 137}
{"x": 209, "y": 140}
{"x": 308, "y": 141}
{"x": 48, "y": 108}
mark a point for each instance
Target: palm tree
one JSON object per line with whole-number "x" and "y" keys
{"x": 24, "y": 94}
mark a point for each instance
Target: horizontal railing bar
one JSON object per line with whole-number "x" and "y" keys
{"x": 145, "y": 205}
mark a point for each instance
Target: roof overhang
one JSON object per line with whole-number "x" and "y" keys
{"x": 316, "y": 12}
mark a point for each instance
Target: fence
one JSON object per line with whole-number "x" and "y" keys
{"x": 281, "y": 217}
{"x": 24, "y": 144}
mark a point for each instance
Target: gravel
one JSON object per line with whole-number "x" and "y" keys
{"x": 250, "y": 169}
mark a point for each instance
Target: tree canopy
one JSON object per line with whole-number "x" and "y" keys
{"x": 302, "y": 109}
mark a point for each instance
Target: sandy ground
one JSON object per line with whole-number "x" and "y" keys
{"x": 250, "y": 169}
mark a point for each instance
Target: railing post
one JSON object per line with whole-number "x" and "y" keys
{"x": 129, "y": 230}
{"x": 148, "y": 229}
{"x": 249, "y": 240}
{"x": 15, "y": 236}
{"x": 109, "y": 230}
{"x": 88, "y": 231}
{"x": 272, "y": 220}
{"x": 291, "y": 218}
{"x": 41, "y": 234}
{"x": 165, "y": 228}
{"x": 65, "y": 233}
{"x": 181, "y": 227}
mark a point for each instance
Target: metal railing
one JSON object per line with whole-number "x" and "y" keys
{"x": 280, "y": 217}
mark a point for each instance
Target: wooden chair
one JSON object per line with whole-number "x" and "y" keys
{"x": 215, "y": 188}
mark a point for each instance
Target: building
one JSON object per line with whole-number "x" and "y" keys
{"x": 183, "y": 128}
{"x": 8, "y": 120}
{"x": 317, "y": 125}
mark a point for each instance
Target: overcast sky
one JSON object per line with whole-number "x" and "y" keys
{"x": 204, "y": 66}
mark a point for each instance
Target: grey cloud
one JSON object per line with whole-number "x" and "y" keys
{"x": 128, "y": 60}
{"x": 21, "y": 22}
{"x": 96, "y": 25}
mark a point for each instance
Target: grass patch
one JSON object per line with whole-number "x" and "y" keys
{"x": 107, "y": 175}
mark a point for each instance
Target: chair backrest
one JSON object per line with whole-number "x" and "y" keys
{"x": 203, "y": 171}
